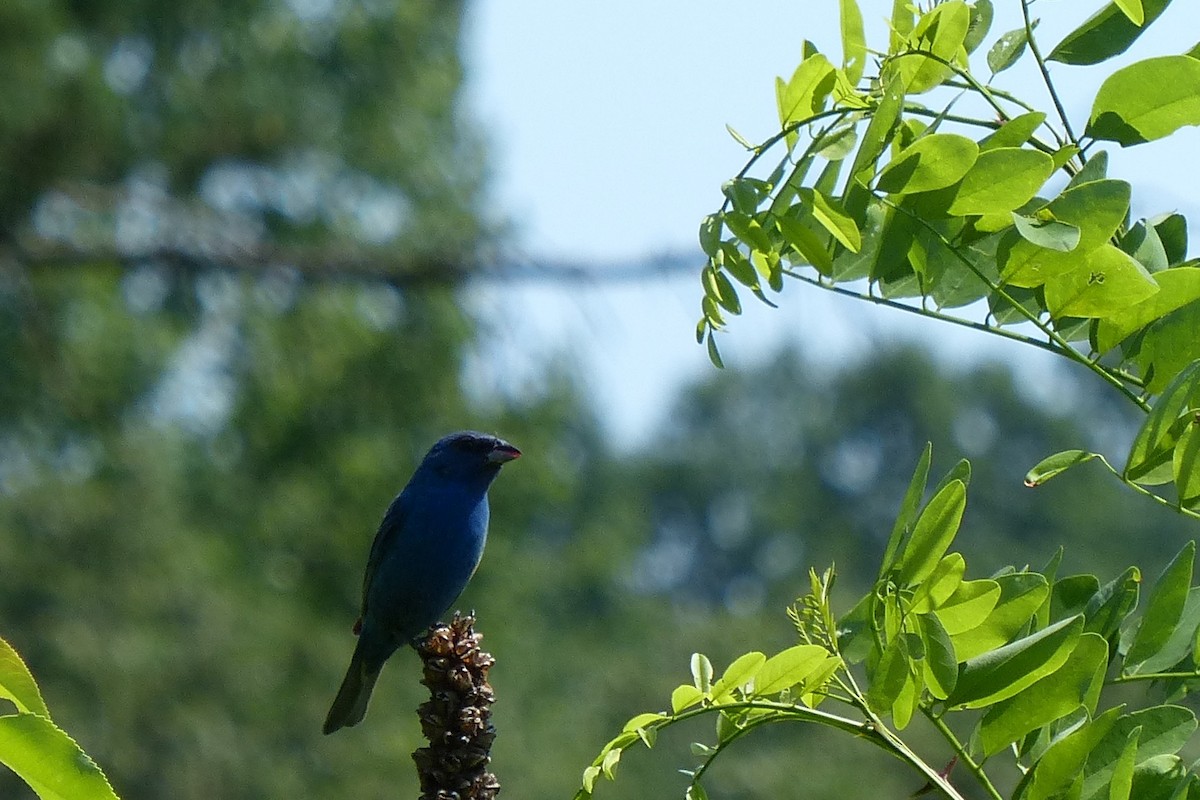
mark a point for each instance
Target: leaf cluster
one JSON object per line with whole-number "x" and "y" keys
{"x": 925, "y": 180}
{"x": 1024, "y": 658}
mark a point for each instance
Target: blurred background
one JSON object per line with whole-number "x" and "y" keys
{"x": 257, "y": 255}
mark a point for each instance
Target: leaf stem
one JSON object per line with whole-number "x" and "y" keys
{"x": 1041, "y": 63}
{"x": 971, "y": 764}
{"x": 1151, "y": 676}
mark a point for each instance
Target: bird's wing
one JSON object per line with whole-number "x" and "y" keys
{"x": 389, "y": 529}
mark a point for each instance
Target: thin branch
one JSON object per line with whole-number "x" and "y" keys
{"x": 971, "y": 764}
{"x": 1041, "y": 63}
{"x": 415, "y": 271}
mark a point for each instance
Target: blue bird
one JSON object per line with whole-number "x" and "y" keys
{"x": 427, "y": 548}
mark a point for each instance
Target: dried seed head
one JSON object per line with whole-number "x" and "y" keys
{"x": 457, "y": 718}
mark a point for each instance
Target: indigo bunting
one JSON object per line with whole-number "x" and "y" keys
{"x": 427, "y": 548}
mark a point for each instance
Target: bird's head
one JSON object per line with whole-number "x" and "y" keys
{"x": 467, "y": 455}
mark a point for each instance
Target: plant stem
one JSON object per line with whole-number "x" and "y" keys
{"x": 1151, "y": 676}
{"x": 871, "y": 729}
{"x": 971, "y": 764}
{"x": 1041, "y": 62}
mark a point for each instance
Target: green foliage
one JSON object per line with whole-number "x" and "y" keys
{"x": 1025, "y": 660}
{"x": 950, "y": 197}
{"x": 36, "y": 749}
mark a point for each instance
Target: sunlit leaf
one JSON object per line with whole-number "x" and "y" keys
{"x": 940, "y": 586}
{"x": 1002, "y": 179}
{"x": 1106, "y": 283}
{"x": 940, "y": 32}
{"x": 932, "y": 162}
{"x": 1014, "y": 133}
{"x": 1147, "y": 100}
{"x": 1006, "y": 671}
{"x": 1076, "y": 683}
{"x": 854, "y": 42}
{"x": 833, "y": 218}
{"x": 1056, "y": 464}
{"x": 50, "y": 761}
{"x": 789, "y": 668}
{"x": 1021, "y": 595}
{"x": 932, "y": 534}
{"x": 969, "y": 607}
{"x": 17, "y": 683}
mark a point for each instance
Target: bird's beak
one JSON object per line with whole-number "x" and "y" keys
{"x": 503, "y": 453}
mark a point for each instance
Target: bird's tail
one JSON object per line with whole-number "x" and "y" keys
{"x": 350, "y": 705}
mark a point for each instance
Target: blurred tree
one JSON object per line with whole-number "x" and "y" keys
{"x": 319, "y": 135}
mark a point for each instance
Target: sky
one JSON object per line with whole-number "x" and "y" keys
{"x": 606, "y": 129}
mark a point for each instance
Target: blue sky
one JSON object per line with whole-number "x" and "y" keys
{"x": 606, "y": 126}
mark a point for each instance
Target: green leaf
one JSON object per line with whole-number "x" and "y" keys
{"x": 702, "y": 673}
{"x": 931, "y": 162}
{"x": 1176, "y": 288}
{"x": 789, "y": 668}
{"x": 49, "y": 760}
{"x": 1106, "y": 34}
{"x": 806, "y": 92}
{"x": 642, "y": 721}
{"x": 1014, "y": 133}
{"x": 907, "y": 514}
{"x": 17, "y": 683}
{"x": 1165, "y": 608}
{"x": 1007, "y": 49}
{"x": 714, "y": 355}
{"x": 1076, "y": 683}
{"x": 1001, "y": 180}
{"x": 940, "y": 32}
{"x": 1154, "y": 444}
{"x": 710, "y": 235}
{"x": 1021, "y": 595}
{"x": 804, "y": 239}
{"x": 1133, "y": 10}
{"x": 1163, "y": 730}
{"x": 981, "y": 23}
{"x": 1115, "y": 600}
{"x": 934, "y": 531}
{"x": 1097, "y": 208}
{"x": 685, "y": 696}
{"x": 875, "y": 139}
{"x": 940, "y": 586}
{"x": 1006, "y": 671}
{"x": 969, "y": 607}
{"x": 833, "y": 218}
{"x": 1180, "y": 644}
{"x": 854, "y": 41}
{"x": 1051, "y": 234}
{"x": 1147, "y": 100}
{"x": 1172, "y": 232}
{"x": 1168, "y": 347}
{"x": 1064, "y": 760}
{"x": 1186, "y": 462}
{"x": 941, "y": 665}
{"x": 1055, "y": 465}
{"x": 738, "y": 674}
{"x": 1107, "y": 282}
{"x": 1115, "y": 781}
{"x": 1143, "y": 243}
{"x": 889, "y": 676}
